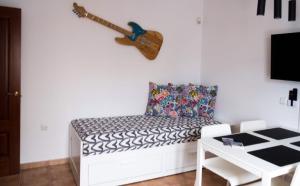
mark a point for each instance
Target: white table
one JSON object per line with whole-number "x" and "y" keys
{"x": 241, "y": 158}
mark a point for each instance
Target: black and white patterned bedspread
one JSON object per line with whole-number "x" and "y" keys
{"x": 116, "y": 134}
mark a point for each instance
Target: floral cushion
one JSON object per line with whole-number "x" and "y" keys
{"x": 164, "y": 100}
{"x": 198, "y": 100}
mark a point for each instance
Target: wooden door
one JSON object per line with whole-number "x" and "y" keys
{"x": 10, "y": 55}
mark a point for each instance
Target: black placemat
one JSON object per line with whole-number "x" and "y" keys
{"x": 278, "y": 155}
{"x": 278, "y": 133}
{"x": 296, "y": 143}
{"x": 245, "y": 138}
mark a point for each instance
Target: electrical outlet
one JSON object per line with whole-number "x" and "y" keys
{"x": 44, "y": 127}
{"x": 283, "y": 101}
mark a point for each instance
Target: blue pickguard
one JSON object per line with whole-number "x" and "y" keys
{"x": 136, "y": 30}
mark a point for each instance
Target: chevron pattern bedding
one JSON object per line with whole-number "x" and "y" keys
{"x": 116, "y": 134}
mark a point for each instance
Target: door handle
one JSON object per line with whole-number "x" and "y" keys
{"x": 16, "y": 94}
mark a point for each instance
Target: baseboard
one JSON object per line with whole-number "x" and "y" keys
{"x": 39, "y": 164}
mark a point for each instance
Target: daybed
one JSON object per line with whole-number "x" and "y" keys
{"x": 122, "y": 150}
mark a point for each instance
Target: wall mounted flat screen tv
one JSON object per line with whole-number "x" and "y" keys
{"x": 285, "y": 56}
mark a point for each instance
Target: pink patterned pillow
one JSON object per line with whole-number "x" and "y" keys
{"x": 164, "y": 100}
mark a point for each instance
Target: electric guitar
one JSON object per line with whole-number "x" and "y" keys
{"x": 147, "y": 42}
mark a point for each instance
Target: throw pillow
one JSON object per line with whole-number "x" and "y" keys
{"x": 198, "y": 101}
{"x": 163, "y": 100}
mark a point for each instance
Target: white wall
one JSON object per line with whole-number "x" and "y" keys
{"x": 236, "y": 56}
{"x": 72, "y": 68}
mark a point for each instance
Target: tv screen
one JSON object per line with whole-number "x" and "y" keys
{"x": 285, "y": 56}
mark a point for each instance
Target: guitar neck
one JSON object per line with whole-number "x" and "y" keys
{"x": 108, "y": 24}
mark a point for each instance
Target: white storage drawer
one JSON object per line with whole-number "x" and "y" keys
{"x": 185, "y": 156}
{"x": 125, "y": 166}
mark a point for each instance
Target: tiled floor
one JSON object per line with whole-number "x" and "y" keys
{"x": 60, "y": 175}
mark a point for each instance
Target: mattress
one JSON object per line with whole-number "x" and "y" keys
{"x": 117, "y": 134}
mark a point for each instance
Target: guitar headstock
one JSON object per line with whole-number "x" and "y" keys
{"x": 79, "y": 10}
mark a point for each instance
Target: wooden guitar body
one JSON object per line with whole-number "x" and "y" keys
{"x": 147, "y": 42}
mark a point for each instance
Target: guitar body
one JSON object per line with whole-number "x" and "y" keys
{"x": 147, "y": 42}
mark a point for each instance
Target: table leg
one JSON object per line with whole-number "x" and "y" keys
{"x": 266, "y": 180}
{"x": 200, "y": 161}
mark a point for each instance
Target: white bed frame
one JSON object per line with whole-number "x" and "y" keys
{"x": 130, "y": 166}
